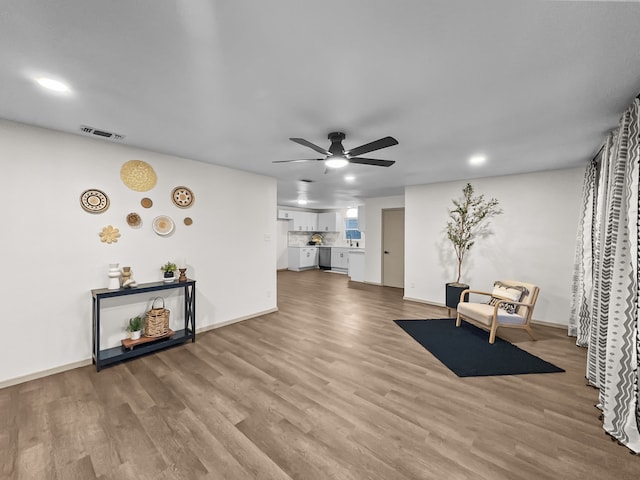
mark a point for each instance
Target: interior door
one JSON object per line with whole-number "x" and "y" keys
{"x": 393, "y": 247}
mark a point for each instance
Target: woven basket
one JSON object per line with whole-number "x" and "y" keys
{"x": 156, "y": 320}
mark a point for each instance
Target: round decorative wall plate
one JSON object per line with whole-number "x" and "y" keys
{"x": 182, "y": 197}
{"x": 188, "y": 221}
{"x": 134, "y": 220}
{"x": 94, "y": 201}
{"x": 146, "y": 202}
{"x": 138, "y": 175}
{"x": 163, "y": 225}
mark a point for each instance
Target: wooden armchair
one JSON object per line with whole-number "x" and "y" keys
{"x": 505, "y": 309}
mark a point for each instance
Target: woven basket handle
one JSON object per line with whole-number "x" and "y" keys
{"x": 153, "y": 305}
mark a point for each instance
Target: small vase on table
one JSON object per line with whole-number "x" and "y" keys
{"x": 114, "y": 276}
{"x": 183, "y": 276}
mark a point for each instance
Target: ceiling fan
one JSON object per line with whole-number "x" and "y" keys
{"x": 338, "y": 157}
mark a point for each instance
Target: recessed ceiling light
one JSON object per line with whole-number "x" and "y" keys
{"x": 51, "y": 84}
{"x": 349, "y": 178}
{"x": 302, "y": 202}
{"x": 336, "y": 162}
{"x": 477, "y": 160}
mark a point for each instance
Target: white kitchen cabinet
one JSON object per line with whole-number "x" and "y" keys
{"x": 356, "y": 265}
{"x": 313, "y": 221}
{"x": 301, "y": 258}
{"x": 328, "y": 222}
{"x": 298, "y": 223}
{"x": 339, "y": 258}
{"x": 308, "y": 257}
{"x": 285, "y": 214}
{"x": 305, "y": 221}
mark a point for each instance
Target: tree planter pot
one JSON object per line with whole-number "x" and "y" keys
{"x": 135, "y": 335}
{"x": 453, "y": 292}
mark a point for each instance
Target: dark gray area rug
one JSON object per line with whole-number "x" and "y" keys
{"x": 466, "y": 350}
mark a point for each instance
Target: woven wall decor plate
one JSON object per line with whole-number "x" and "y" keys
{"x": 94, "y": 201}
{"x": 138, "y": 175}
{"x": 146, "y": 202}
{"x": 134, "y": 220}
{"x": 163, "y": 225}
{"x": 182, "y": 197}
{"x": 188, "y": 221}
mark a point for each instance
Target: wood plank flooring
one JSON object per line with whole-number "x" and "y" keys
{"x": 328, "y": 387}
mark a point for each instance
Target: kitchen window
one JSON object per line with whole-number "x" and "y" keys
{"x": 351, "y": 231}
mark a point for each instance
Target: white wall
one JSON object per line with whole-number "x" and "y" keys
{"x": 52, "y": 255}
{"x": 282, "y": 244}
{"x": 533, "y": 241}
{"x": 373, "y": 232}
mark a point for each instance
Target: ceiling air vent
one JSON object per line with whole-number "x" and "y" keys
{"x": 306, "y": 180}
{"x": 101, "y": 133}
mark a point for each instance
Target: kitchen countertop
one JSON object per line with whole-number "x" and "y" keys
{"x": 329, "y": 246}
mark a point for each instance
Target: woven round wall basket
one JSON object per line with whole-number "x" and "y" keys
{"x": 156, "y": 320}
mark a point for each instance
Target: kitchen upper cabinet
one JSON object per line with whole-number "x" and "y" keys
{"x": 302, "y": 221}
{"x": 301, "y": 258}
{"x": 305, "y": 221}
{"x": 328, "y": 222}
{"x": 313, "y": 221}
{"x": 298, "y": 222}
{"x": 285, "y": 214}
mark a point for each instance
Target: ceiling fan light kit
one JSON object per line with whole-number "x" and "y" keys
{"x": 336, "y": 161}
{"x": 337, "y": 157}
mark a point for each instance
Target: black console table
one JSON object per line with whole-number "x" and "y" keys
{"x": 102, "y": 358}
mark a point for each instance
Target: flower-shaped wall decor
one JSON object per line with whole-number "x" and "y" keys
{"x": 109, "y": 234}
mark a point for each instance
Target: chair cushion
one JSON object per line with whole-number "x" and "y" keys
{"x": 483, "y": 313}
{"x": 532, "y": 290}
{"x": 502, "y": 291}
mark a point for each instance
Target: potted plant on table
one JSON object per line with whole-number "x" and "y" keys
{"x": 169, "y": 269}
{"x": 136, "y": 324}
{"x": 466, "y": 222}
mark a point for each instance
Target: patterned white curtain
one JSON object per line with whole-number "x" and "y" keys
{"x": 580, "y": 315}
{"x": 604, "y": 312}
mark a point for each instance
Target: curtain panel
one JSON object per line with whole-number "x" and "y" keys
{"x": 604, "y": 314}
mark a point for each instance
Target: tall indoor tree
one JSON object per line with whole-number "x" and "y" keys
{"x": 466, "y": 221}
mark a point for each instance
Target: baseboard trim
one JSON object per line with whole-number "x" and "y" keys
{"x": 235, "y": 320}
{"x": 45, "y": 373}
{"x": 548, "y": 324}
{"x": 88, "y": 361}
{"x": 426, "y": 302}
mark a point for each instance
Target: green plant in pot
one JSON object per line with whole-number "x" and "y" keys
{"x": 135, "y": 327}
{"x": 169, "y": 269}
{"x": 467, "y": 221}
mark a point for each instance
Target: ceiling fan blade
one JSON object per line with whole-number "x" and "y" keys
{"x": 370, "y": 147}
{"x": 306, "y": 143}
{"x": 299, "y": 160}
{"x": 372, "y": 161}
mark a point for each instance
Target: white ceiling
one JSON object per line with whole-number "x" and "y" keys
{"x": 534, "y": 85}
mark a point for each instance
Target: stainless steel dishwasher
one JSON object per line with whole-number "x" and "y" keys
{"x": 324, "y": 259}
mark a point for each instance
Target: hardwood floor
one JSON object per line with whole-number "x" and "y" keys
{"x": 328, "y": 387}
